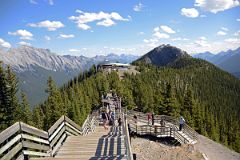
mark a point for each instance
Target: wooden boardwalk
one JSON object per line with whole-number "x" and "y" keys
{"x": 101, "y": 144}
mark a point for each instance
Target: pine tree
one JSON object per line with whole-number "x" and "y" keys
{"x": 26, "y": 112}
{"x": 13, "y": 89}
{"x": 54, "y": 106}
{"x": 38, "y": 117}
{"x": 4, "y": 100}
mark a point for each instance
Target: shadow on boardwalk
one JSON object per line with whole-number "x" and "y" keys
{"x": 111, "y": 146}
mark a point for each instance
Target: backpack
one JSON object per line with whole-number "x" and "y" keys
{"x": 104, "y": 116}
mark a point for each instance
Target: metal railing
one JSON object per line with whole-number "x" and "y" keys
{"x": 21, "y": 141}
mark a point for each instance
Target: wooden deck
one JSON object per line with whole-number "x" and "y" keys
{"x": 101, "y": 144}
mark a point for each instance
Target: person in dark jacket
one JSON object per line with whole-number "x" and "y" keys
{"x": 152, "y": 118}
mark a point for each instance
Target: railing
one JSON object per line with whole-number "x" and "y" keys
{"x": 170, "y": 128}
{"x": 127, "y": 139}
{"x": 21, "y": 141}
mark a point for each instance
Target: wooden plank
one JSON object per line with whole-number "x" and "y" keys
{"x": 56, "y": 131}
{"x": 58, "y": 144}
{"x": 20, "y": 157}
{"x": 9, "y": 132}
{"x": 12, "y": 152}
{"x": 56, "y": 124}
{"x": 10, "y": 143}
{"x": 32, "y": 138}
{"x": 68, "y": 133}
{"x": 32, "y": 130}
{"x": 72, "y": 123}
{"x": 33, "y": 153}
{"x": 32, "y": 145}
{"x": 56, "y": 138}
{"x": 67, "y": 124}
{"x": 71, "y": 131}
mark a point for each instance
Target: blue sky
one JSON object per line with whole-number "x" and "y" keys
{"x": 93, "y": 27}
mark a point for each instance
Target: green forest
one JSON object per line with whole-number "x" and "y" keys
{"x": 206, "y": 96}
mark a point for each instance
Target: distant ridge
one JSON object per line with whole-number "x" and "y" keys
{"x": 228, "y": 60}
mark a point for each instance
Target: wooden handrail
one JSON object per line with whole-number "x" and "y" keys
{"x": 127, "y": 139}
{"x": 141, "y": 117}
{"x": 21, "y": 140}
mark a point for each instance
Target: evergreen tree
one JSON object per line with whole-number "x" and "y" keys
{"x": 26, "y": 112}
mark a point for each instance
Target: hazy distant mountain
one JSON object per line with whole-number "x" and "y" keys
{"x": 163, "y": 55}
{"x": 228, "y": 61}
{"x": 33, "y": 66}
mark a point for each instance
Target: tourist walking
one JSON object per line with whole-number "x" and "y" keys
{"x": 181, "y": 123}
{"x": 135, "y": 118}
{"x": 152, "y": 118}
{"x": 105, "y": 119}
{"x": 149, "y": 118}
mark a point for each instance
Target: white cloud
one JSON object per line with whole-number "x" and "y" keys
{"x": 238, "y": 19}
{"x": 224, "y": 29}
{"x": 140, "y": 33}
{"x": 50, "y": 2}
{"x": 233, "y": 40}
{"x": 156, "y": 29}
{"x": 74, "y": 50}
{"x": 47, "y": 38}
{"x": 138, "y": 7}
{"x": 24, "y": 34}
{"x": 161, "y": 35}
{"x": 50, "y": 25}
{"x": 215, "y": 6}
{"x": 33, "y": 1}
{"x": 189, "y": 12}
{"x": 105, "y": 19}
{"x": 146, "y": 41}
{"x": 64, "y": 36}
{"x": 237, "y": 33}
{"x": 180, "y": 39}
{"x": 201, "y": 42}
{"x": 202, "y": 38}
{"x": 106, "y": 23}
{"x": 24, "y": 43}
{"x": 221, "y": 33}
{"x": 4, "y": 44}
{"x": 167, "y": 29}
{"x": 83, "y": 26}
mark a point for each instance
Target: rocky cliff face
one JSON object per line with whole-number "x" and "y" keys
{"x": 25, "y": 58}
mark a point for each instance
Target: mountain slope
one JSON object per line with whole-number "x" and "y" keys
{"x": 208, "y": 97}
{"x": 163, "y": 55}
{"x": 33, "y": 66}
{"x": 228, "y": 61}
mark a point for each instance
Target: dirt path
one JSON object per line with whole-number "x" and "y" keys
{"x": 150, "y": 150}
{"x": 215, "y": 151}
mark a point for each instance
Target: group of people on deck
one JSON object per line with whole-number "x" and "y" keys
{"x": 150, "y": 118}
{"x": 109, "y": 119}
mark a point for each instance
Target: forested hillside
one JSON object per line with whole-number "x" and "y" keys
{"x": 206, "y": 96}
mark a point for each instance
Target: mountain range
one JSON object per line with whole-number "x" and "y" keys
{"x": 228, "y": 60}
{"x": 33, "y": 66}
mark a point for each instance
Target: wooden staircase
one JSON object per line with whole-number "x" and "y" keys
{"x": 101, "y": 144}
